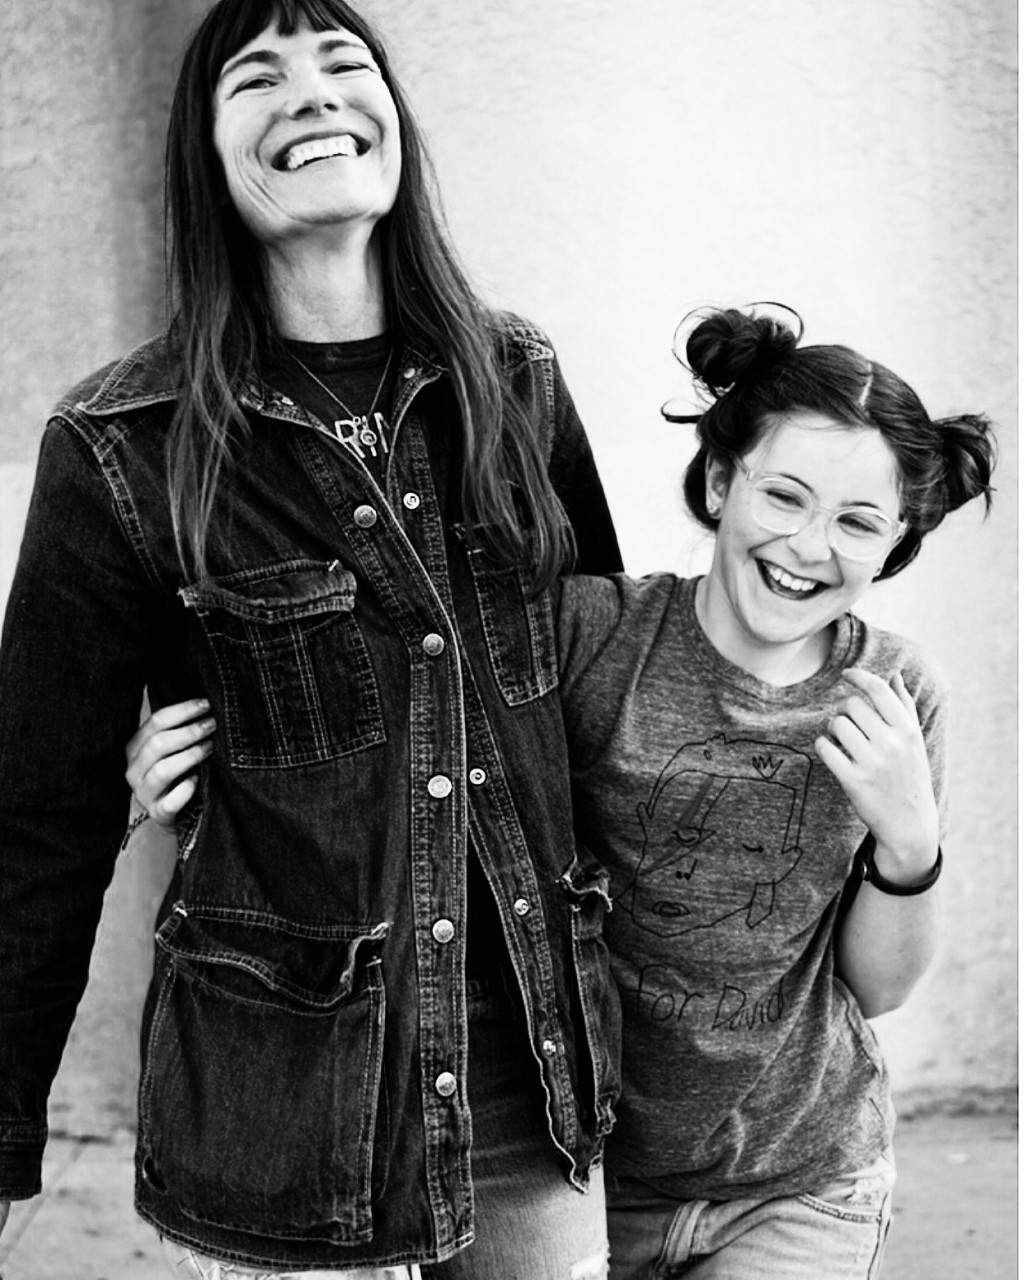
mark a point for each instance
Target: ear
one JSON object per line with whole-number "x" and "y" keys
{"x": 717, "y": 473}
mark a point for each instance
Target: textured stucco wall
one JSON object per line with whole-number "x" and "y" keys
{"x": 82, "y": 119}
{"x": 604, "y": 171}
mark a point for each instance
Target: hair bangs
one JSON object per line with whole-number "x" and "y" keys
{"x": 231, "y": 25}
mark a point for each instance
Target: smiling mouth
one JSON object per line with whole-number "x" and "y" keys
{"x": 301, "y": 154}
{"x": 787, "y": 585}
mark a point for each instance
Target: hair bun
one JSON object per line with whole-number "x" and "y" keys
{"x": 728, "y": 346}
{"x": 969, "y": 455}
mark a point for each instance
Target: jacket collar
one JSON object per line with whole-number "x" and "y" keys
{"x": 151, "y": 374}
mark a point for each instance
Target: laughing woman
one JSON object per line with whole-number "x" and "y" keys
{"x": 381, "y": 1026}
{"x": 739, "y": 742}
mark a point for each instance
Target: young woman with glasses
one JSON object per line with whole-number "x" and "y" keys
{"x": 763, "y": 775}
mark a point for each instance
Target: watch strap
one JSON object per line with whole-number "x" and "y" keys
{"x": 871, "y": 873}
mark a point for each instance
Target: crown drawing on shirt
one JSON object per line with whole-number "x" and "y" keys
{"x": 767, "y": 766}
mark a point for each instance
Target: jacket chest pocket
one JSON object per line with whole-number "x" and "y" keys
{"x": 518, "y": 628}
{"x": 299, "y": 686}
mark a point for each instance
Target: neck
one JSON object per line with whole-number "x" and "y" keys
{"x": 326, "y": 295}
{"x": 780, "y": 664}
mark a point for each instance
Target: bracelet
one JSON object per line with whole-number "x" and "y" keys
{"x": 873, "y": 876}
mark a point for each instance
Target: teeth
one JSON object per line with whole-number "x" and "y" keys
{"x": 319, "y": 149}
{"x": 787, "y": 580}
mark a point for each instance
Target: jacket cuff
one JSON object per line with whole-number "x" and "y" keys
{"x": 21, "y": 1160}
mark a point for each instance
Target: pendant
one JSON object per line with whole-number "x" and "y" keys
{"x": 347, "y": 431}
{"x": 356, "y": 431}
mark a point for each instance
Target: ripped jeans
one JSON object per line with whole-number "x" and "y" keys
{"x": 530, "y": 1223}
{"x": 836, "y": 1234}
{"x": 189, "y": 1265}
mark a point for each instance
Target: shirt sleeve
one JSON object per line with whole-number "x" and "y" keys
{"x": 72, "y": 667}
{"x": 931, "y": 697}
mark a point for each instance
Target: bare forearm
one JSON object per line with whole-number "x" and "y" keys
{"x": 885, "y": 944}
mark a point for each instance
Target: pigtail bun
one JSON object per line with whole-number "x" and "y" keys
{"x": 969, "y": 455}
{"x": 727, "y": 347}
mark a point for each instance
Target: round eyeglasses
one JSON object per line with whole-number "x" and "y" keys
{"x": 783, "y": 506}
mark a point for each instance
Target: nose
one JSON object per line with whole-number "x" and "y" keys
{"x": 312, "y": 93}
{"x": 811, "y": 542}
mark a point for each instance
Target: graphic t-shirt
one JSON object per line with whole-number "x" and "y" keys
{"x": 748, "y": 1068}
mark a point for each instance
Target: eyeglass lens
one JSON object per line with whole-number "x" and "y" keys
{"x": 785, "y": 508}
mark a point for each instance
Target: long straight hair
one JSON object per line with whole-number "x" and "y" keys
{"x": 222, "y": 313}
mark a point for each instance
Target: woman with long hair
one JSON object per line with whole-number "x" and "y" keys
{"x": 328, "y": 500}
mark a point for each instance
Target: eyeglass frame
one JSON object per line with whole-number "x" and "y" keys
{"x": 897, "y": 527}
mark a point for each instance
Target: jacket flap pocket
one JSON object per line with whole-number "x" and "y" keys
{"x": 277, "y": 593}
{"x": 268, "y": 959}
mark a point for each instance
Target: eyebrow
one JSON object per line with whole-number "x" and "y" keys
{"x": 843, "y": 506}
{"x": 271, "y": 58}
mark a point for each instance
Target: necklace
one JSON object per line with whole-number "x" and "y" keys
{"x": 355, "y": 429}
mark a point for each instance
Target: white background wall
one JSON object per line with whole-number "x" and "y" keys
{"x": 605, "y": 169}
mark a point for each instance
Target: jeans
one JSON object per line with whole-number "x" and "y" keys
{"x": 836, "y": 1234}
{"x": 188, "y": 1265}
{"x": 530, "y": 1223}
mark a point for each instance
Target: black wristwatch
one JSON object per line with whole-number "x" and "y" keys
{"x": 866, "y": 856}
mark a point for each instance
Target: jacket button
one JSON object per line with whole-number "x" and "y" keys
{"x": 443, "y": 930}
{"x": 478, "y": 777}
{"x": 365, "y": 517}
{"x": 521, "y": 907}
{"x": 445, "y": 1084}
{"x": 433, "y": 644}
{"x": 411, "y": 501}
{"x": 549, "y": 1048}
{"x": 439, "y": 786}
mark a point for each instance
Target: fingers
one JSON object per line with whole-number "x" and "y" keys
{"x": 150, "y": 781}
{"x": 164, "y": 754}
{"x": 150, "y": 745}
{"x": 177, "y": 713}
{"x": 881, "y": 696}
{"x": 889, "y": 698}
{"x": 164, "y": 811}
{"x": 836, "y": 761}
{"x": 171, "y": 717}
{"x": 855, "y": 728}
{"x": 882, "y": 708}
{"x": 900, "y": 689}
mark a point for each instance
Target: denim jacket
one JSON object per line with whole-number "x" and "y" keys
{"x": 384, "y": 693}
